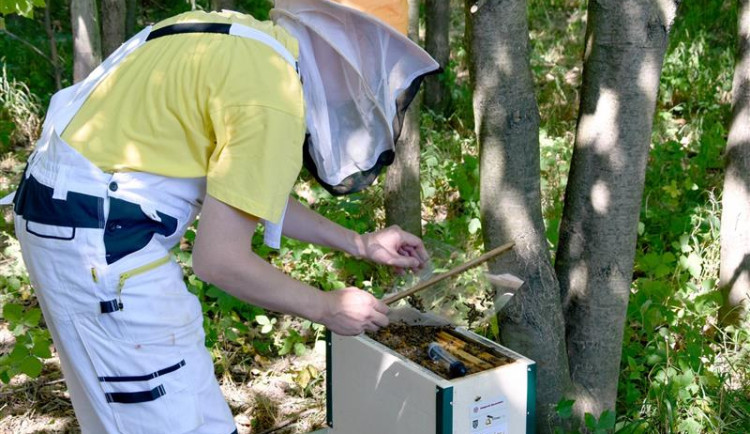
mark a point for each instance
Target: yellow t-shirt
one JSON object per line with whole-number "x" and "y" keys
{"x": 201, "y": 104}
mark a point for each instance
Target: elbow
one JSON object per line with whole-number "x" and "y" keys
{"x": 206, "y": 269}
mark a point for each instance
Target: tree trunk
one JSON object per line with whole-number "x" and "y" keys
{"x": 507, "y": 127}
{"x": 86, "y": 40}
{"x": 402, "y": 188}
{"x": 54, "y": 58}
{"x": 113, "y": 25}
{"x": 625, "y": 45}
{"x": 437, "y": 43}
{"x": 131, "y": 12}
{"x": 218, "y": 5}
{"x": 734, "y": 274}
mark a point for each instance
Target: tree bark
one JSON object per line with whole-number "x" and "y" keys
{"x": 402, "y": 187}
{"x": 218, "y": 5}
{"x": 113, "y": 25}
{"x": 734, "y": 273}
{"x": 437, "y": 43}
{"x": 131, "y": 12}
{"x": 625, "y": 45}
{"x": 54, "y": 57}
{"x": 507, "y": 126}
{"x": 86, "y": 40}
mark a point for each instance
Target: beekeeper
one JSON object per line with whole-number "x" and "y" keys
{"x": 204, "y": 112}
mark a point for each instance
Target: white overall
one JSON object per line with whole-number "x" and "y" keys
{"x": 96, "y": 245}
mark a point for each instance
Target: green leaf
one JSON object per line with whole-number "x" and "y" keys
{"x": 299, "y": 349}
{"x": 231, "y": 334}
{"x": 565, "y": 408}
{"x": 41, "y": 349}
{"x": 286, "y": 348}
{"x": 31, "y": 366}
{"x": 14, "y": 283}
{"x": 19, "y": 330}
{"x": 19, "y": 353}
{"x": 607, "y": 420}
{"x": 693, "y": 263}
{"x": 13, "y": 313}
{"x": 690, "y": 426}
{"x": 590, "y": 421}
{"x": 32, "y": 317}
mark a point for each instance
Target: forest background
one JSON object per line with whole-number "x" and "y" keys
{"x": 682, "y": 366}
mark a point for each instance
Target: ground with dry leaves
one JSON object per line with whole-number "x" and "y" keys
{"x": 264, "y": 394}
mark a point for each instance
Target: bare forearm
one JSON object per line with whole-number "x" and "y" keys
{"x": 222, "y": 256}
{"x": 301, "y": 223}
{"x": 251, "y": 279}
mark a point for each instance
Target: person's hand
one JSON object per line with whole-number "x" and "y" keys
{"x": 351, "y": 311}
{"x": 395, "y": 247}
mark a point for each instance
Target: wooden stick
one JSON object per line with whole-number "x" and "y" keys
{"x": 460, "y": 269}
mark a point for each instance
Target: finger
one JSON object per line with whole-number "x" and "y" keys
{"x": 407, "y": 251}
{"x": 402, "y": 261}
{"x": 414, "y": 253}
{"x": 379, "y": 319}
{"x": 415, "y": 247}
{"x": 420, "y": 252}
{"x": 370, "y": 327}
{"x": 381, "y": 307}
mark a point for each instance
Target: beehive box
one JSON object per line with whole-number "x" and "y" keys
{"x": 372, "y": 389}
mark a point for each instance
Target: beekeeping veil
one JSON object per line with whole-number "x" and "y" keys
{"x": 359, "y": 75}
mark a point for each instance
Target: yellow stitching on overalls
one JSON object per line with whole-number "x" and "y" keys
{"x": 136, "y": 271}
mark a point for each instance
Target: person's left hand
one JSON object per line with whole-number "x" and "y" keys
{"x": 395, "y": 247}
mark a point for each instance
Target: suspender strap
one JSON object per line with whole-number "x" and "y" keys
{"x": 176, "y": 29}
{"x": 226, "y": 29}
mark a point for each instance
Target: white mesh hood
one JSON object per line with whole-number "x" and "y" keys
{"x": 358, "y": 75}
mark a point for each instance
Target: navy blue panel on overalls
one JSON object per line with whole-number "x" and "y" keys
{"x": 34, "y": 202}
{"x": 128, "y": 228}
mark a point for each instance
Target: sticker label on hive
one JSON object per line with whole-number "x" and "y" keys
{"x": 489, "y": 416}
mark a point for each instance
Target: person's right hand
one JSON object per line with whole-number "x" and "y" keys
{"x": 351, "y": 311}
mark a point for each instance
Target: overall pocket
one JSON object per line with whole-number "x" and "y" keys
{"x": 51, "y": 232}
{"x": 147, "y": 386}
